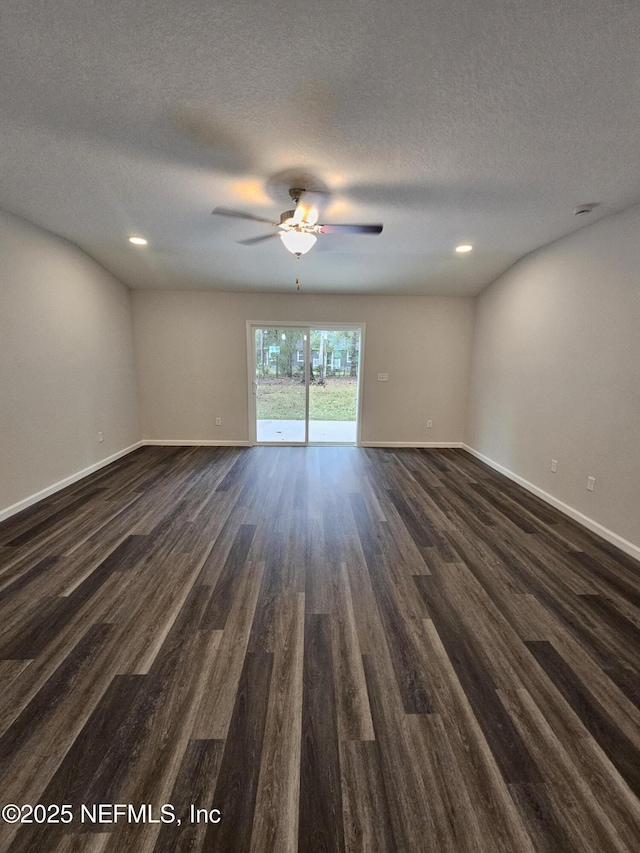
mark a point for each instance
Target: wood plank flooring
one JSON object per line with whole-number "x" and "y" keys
{"x": 339, "y": 649}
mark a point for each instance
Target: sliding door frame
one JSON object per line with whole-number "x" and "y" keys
{"x": 305, "y": 326}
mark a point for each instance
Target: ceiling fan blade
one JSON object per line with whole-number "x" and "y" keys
{"x": 240, "y": 214}
{"x": 350, "y": 229}
{"x": 251, "y": 240}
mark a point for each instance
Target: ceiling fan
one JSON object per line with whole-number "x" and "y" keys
{"x": 298, "y": 228}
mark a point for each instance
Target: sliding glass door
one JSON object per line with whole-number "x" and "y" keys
{"x": 304, "y": 383}
{"x": 333, "y": 389}
{"x": 280, "y": 385}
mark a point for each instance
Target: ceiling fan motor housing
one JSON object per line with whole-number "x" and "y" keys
{"x": 296, "y": 194}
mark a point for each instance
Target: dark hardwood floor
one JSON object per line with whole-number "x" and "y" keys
{"x": 339, "y": 649}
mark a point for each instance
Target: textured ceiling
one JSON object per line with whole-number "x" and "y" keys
{"x": 482, "y": 121}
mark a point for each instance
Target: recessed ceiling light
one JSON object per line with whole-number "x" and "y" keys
{"x": 138, "y": 241}
{"x": 465, "y": 247}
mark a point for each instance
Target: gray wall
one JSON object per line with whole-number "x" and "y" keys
{"x": 192, "y": 360}
{"x": 66, "y": 362}
{"x": 556, "y": 372}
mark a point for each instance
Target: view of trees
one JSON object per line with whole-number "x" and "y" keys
{"x": 280, "y": 354}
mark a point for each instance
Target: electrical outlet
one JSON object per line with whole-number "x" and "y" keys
{"x": 554, "y": 465}
{"x": 100, "y": 437}
{"x": 218, "y": 421}
{"x": 429, "y": 424}
{"x": 591, "y": 484}
{"x": 383, "y": 377}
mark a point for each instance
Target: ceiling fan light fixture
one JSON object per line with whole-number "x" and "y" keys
{"x": 138, "y": 241}
{"x": 465, "y": 247}
{"x": 298, "y": 242}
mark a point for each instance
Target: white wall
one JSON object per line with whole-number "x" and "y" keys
{"x": 192, "y": 361}
{"x": 556, "y": 372}
{"x": 66, "y": 362}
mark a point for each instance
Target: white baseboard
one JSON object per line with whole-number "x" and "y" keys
{"x": 410, "y": 444}
{"x": 62, "y": 484}
{"x": 196, "y": 442}
{"x": 576, "y": 515}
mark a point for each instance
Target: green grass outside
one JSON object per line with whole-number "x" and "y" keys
{"x": 335, "y": 401}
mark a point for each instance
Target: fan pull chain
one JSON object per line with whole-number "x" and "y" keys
{"x": 297, "y": 283}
